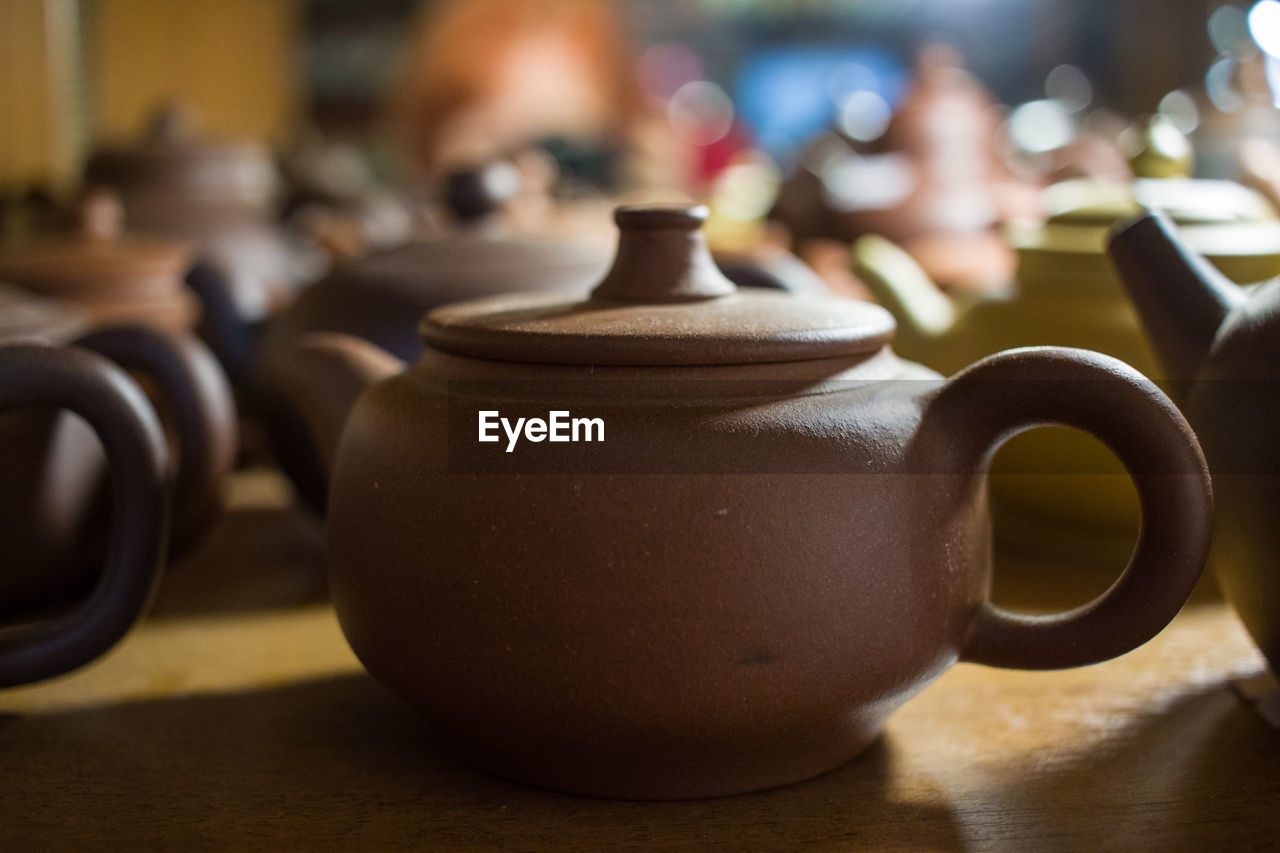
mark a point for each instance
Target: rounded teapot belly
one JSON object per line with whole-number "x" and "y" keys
{"x": 654, "y": 629}
{"x": 1236, "y": 411}
{"x": 1245, "y": 554}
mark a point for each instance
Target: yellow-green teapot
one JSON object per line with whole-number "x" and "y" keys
{"x": 1068, "y": 294}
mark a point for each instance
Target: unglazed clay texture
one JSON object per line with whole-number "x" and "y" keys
{"x": 654, "y": 636}
{"x": 769, "y": 551}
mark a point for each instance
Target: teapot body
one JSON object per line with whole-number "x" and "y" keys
{"x": 1100, "y": 319}
{"x": 664, "y": 624}
{"x": 1234, "y": 406}
{"x": 1221, "y": 345}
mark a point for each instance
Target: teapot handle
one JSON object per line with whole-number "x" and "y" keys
{"x": 233, "y": 337}
{"x": 192, "y": 391}
{"x": 998, "y": 397}
{"x": 101, "y": 393}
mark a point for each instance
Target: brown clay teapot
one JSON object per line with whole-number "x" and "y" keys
{"x": 115, "y": 278}
{"x": 71, "y": 588}
{"x": 219, "y": 194}
{"x": 185, "y": 384}
{"x": 1220, "y": 343}
{"x": 777, "y": 535}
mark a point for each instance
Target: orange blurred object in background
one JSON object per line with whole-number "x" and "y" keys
{"x": 487, "y": 78}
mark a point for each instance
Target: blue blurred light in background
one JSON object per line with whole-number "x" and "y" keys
{"x": 787, "y": 95}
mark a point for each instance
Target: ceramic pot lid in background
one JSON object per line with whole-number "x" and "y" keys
{"x": 664, "y": 302}
{"x": 1231, "y": 224}
{"x": 27, "y": 318}
{"x": 221, "y": 195}
{"x": 481, "y": 255}
{"x": 477, "y": 264}
{"x": 111, "y": 274}
{"x": 171, "y": 166}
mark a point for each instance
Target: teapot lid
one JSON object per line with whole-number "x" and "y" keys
{"x": 171, "y": 159}
{"x": 98, "y": 255}
{"x": 1162, "y": 159}
{"x": 1187, "y": 201}
{"x": 479, "y": 257}
{"x": 464, "y": 266}
{"x": 27, "y": 317}
{"x": 664, "y": 302}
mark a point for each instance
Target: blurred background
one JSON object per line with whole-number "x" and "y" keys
{"x": 347, "y": 165}
{"x": 769, "y": 74}
{"x": 826, "y": 118}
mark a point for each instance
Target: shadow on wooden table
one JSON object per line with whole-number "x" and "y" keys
{"x": 341, "y": 763}
{"x": 1200, "y": 773}
{"x": 253, "y": 559}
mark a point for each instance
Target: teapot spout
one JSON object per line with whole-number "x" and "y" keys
{"x": 325, "y": 376}
{"x": 1180, "y": 297}
{"x": 923, "y": 312}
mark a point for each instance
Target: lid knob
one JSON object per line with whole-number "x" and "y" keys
{"x": 480, "y": 191}
{"x": 1157, "y": 149}
{"x": 101, "y": 215}
{"x": 171, "y": 123}
{"x": 662, "y": 258}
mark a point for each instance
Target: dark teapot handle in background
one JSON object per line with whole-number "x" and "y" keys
{"x": 998, "y": 397}
{"x": 117, "y": 410}
{"x": 233, "y": 338}
{"x": 194, "y": 392}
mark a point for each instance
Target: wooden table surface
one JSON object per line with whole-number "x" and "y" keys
{"x": 236, "y": 717}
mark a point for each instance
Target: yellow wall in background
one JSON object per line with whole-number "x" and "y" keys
{"x": 236, "y": 61}
{"x": 39, "y": 102}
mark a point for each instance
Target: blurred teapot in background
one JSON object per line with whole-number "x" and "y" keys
{"x": 1066, "y": 291}
{"x": 222, "y": 196}
{"x": 1068, "y": 294}
{"x": 379, "y": 297}
{"x": 170, "y": 171}
{"x": 1220, "y": 344}
{"x": 933, "y": 181}
{"x": 134, "y": 308}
